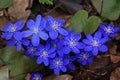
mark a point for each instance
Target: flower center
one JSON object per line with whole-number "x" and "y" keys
{"x": 54, "y": 26}
{"x": 95, "y": 43}
{"x": 55, "y": 45}
{"x": 58, "y": 63}
{"x": 44, "y": 54}
{"x": 108, "y": 30}
{"x": 36, "y": 30}
{"x": 37, "y": 78}
{"x": 32, "y": 49}
{"x": 13, "y": 29}
{"x": 85, "y": 56}
{"x": 72, "y": 43}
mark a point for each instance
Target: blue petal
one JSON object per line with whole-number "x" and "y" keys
{"x": 8, "y": 35}
{"x": 46, "y": 62}
{"x": 80, "y": 45}
{"x": 35, "y": 40}
{"x": 89, "y": 37}
{"x": 63, "y": 68}
{"x": 51, "y": 67}
{"x": 25, "y": 42}
{"x": 6, "y": 28}
{"x": 17, "y": 35}
{"x": 43, "y": 24}
{"x": 66, "y": 50}
{"x": 60, "y": 53}
{"x": 47, "y": 46}
{"x": 52, "y": 50}
{"x": 19, "y": 46}
{"x": 19, "y": 24}
{"x": 66, "y": 61}
{"x": 84, "y": 62}
{"x": 53, "y": 34}
{"x": 50, "y": 18}
{"x": 88, "y": 48}
{"x": 71, "y": 66}
{"x": 86, "y": 41}
{"x": 103, "y": 40}
{"x": 95, "y": 51}
{"x": 77, "y": 37}
{"x": 76, "y": 50}
{"x": 39, "y": 60}
{"x": 90, "y": 60}
{"x": 11, "y": 42}
{"x": 98, "y": 35}
{"x": 38, "y": 20}
{"x": 52, "y": 55}
{"x": 63, "y": 31}
{"x": 116, "y": 29}
{"x": 57, "y": 71}
{"x": 26, "y": 33}
{"x": 43, "y": 35}
{"x": 103, "y": 48}
{"x": 102, "y": 26}
{"x": 30, "y": 24}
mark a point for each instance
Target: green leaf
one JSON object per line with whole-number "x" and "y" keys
{"x": 19, "y": 63}
{"x": 5, "y": 3}
{"x": 81, "y": 23}
{"x": 50, "y": 2}
{"x": 4, "y": 73}
{"x": 109, "y": 9}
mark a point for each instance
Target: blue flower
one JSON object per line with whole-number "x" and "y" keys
{"x": 84, "y": 57}
{"x": 45, "y": 53}
{"x": 71, "y": 66}
{"x": 31, "y": 50}
{"x": 18, "y": 43}
{"x": 59, "y": 63}
{"x": 36, "y": 30}
{"x": 12, "y": 30}
{"x": 57, "y": 44}
{"x": 54, "y": 27}
{"x": 71, "y": 43}
{"x": 108, "y": 30}
{"x": 95, "y": 43}
{"x": 36, "y": 76}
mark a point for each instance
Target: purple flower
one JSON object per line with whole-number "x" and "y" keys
{"x": 54, "y": 27}
{"x": 36, "y": 30}
{"x": 12, "y": 30}
{"x": 36, "y": 76}
{"x": 84, "y": 57}
{"x": 45, "y": 53}
{"x": 71, "y": 43}
{"x": 95, "y": 43}
{"x": 59, "y": 63}
{"x": 108, "y": 30}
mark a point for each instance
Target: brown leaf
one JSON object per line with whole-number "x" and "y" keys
{"x": 60, "y": 77}
{"x": 115, "y": 58}
{"x": 3, "y": 21}
{"x": 18, "y": 10}
{"x": 115, "y": 75}
{"x": 28, "y": 76}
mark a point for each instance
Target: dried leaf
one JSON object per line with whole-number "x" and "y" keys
{"x": 18, "y": 10}
{"x": 3, "y": 21}
{"x": 115, "y": 58}
{"x": 115, "y": 75}
{"x": 60, "y": 77}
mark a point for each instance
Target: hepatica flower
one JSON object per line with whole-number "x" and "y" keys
{"x": 84, "y": 57}
{"x": 71, "y": 43}
{"x": 18, "y": 43}
{"x": 45, "y": 53}
{"x": 12, "y": 30}
{"x": 31, "y": 50}
{"x": 108, "y": 30}
{"x": 36, "y": 29}
{"x": 59, "y": 63}
{"x": 95, "y": 43}
{"x": 54, "y": 27}
{"x": 36, "y": 76}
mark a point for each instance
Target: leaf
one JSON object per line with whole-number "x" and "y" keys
{"x": 109, "y": 9}
{"x": 115, "y": 75}
{"x": 50, "y": 2}
{"x": 5, "y": 3}
{"x": 4, "y": 73}
{"x": 19, "y": 63}
{"x": 81, "y": 23}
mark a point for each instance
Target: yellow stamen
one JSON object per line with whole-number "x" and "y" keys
{"x": 95, "y": 43}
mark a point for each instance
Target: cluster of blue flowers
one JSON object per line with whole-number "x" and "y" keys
{"x": 53, "y": 45}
